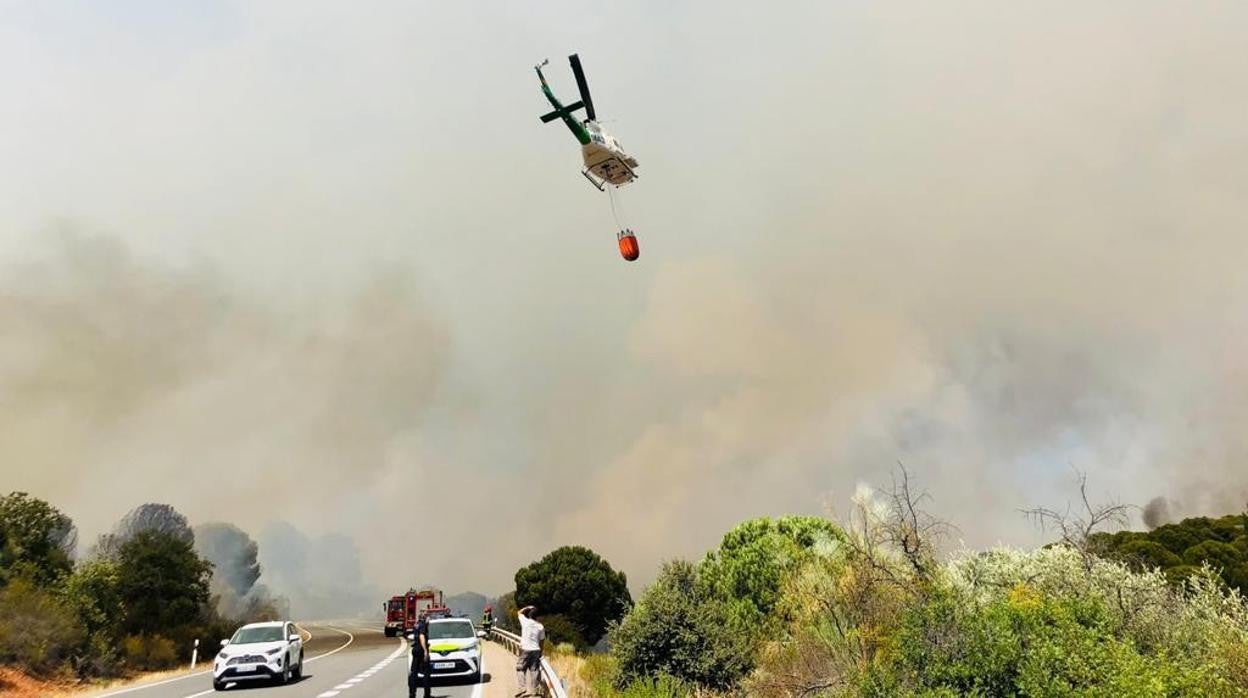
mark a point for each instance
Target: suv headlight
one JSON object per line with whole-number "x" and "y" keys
{"x": 273, "y": 651}
{"x": 223, "y": 655}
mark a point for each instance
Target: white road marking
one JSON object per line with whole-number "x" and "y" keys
{"x": 156, "y": 683}
{"x": 328, "y": 694}
{"x": 343, "y": 686}
{"x": 350, "y": 639}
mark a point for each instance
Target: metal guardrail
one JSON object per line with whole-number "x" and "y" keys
{"x": 550, "y": 684}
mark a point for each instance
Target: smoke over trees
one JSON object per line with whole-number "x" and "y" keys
{"x": 1156, "y": 512}
{"x": 153, "y": 517}
{"x": 236, "y": 570}
{"x": 320, "y": 576}
{"x": 232, "y": 553}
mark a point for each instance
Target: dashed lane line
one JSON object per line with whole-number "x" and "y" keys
{"x": 131, "y": 689}
{"x": 350, "y": 639}
{"x": 367, "y": 673}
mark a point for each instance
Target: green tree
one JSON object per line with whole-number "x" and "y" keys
{"x": 1147, "y": 553}
{"x": 753, "y": 558}
{"x": 1180, "y": 536}
{"x": 678, "y": 628}
{"x": 560, "y": 630}
{"x": 36, "y": 540}
{"x": 1217, "y": 554}
{"x": 162, "y": 582}
{"x": 575, "y": 582}
{"x": 93, "y": 593}
{"x": 505, "y": 612}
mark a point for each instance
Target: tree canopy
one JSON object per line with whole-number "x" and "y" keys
{"x": 163, "y": 583}
{"x": 36, "y": 540}
{"x": 754, "y": 557}
{"x": 575, "y": 582}
{"x": 1179, "y": 549}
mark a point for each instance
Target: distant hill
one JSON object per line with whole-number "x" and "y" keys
{"x": 468, "y": 603}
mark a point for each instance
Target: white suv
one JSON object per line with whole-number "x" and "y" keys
{"x": 454, "y": 650}
{"x": 271, "y": 650}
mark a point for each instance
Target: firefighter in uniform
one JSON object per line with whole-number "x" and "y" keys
{"x": 487, "y": 619}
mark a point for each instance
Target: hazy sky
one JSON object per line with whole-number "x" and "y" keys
{"x": 319, "y": 262}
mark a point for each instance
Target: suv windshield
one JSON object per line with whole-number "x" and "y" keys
{"x": 451, "y": 630}
{"x": 265, "y": 633}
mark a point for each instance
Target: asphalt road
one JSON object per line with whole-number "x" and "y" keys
{"x": 343, "y": 660}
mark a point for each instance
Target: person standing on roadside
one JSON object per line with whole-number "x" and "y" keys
{"x": 529, "y": 664}
{"x": 420, "y": 669}
{"x": 487, "y": 619}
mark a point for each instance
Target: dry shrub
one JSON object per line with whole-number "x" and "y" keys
{"x": 149, "y": 652}
{"x": 37, "y": 630}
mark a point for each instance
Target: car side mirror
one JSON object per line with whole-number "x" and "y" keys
{"x": 224, "y": 643}
{"x": 481, "y": 634}
{"x": 294, "y": 637}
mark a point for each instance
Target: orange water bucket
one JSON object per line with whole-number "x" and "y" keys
{"x": 628, "y": 245}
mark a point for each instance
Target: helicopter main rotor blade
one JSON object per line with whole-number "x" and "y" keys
{"x": 583, "y": 86}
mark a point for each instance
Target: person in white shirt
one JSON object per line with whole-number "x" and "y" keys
{"x": 528, "y": 666}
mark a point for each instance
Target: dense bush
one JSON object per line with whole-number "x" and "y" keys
{"x": 862, "y": 621}
{"x": 37, "y": 630}
{"x": 576, "y": 583}
{"x": 560, "y": 630}
{"x": 753, "y": 559}
{"x": 600, "y": 673}
{"x": 680, "y": 628}
{"x": 1028, "y": 643}
{"x": 149, "y": 651}
{"x": 1179, "y": 549}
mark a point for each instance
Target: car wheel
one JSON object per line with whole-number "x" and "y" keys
{"x": 299, "y": 669}
{"x": 218, "y": 685}
{"x": 285, "y": 677}
{"x": 389, "y": 632}
{"x": 477, "y": 677}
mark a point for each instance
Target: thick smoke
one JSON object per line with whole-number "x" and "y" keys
{"x": 321, "y": 577}
{"x": 990, "y": 241}
{"x": 233, "y": 554}
{"x": 1156, "y": 513}
{"x": 236, "y": 569}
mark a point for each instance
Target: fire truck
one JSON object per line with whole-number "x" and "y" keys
{"x": 404, "y": 610}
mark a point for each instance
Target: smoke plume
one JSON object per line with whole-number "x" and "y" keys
{"x": 232, "y": 553}
{"x": 329, "y": 269}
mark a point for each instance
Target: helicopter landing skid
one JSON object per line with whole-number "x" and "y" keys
{"x": 597, "y": 183}
{"x": 600, "y": 183}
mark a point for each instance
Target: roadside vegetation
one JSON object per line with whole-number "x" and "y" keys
{"x": 866, "y": 606}
{"x": 135, "y": 603}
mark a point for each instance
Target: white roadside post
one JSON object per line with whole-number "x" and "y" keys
{"x": 195, "y": 654}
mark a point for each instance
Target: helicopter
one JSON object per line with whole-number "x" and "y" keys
{"x": 604, "y": 157}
